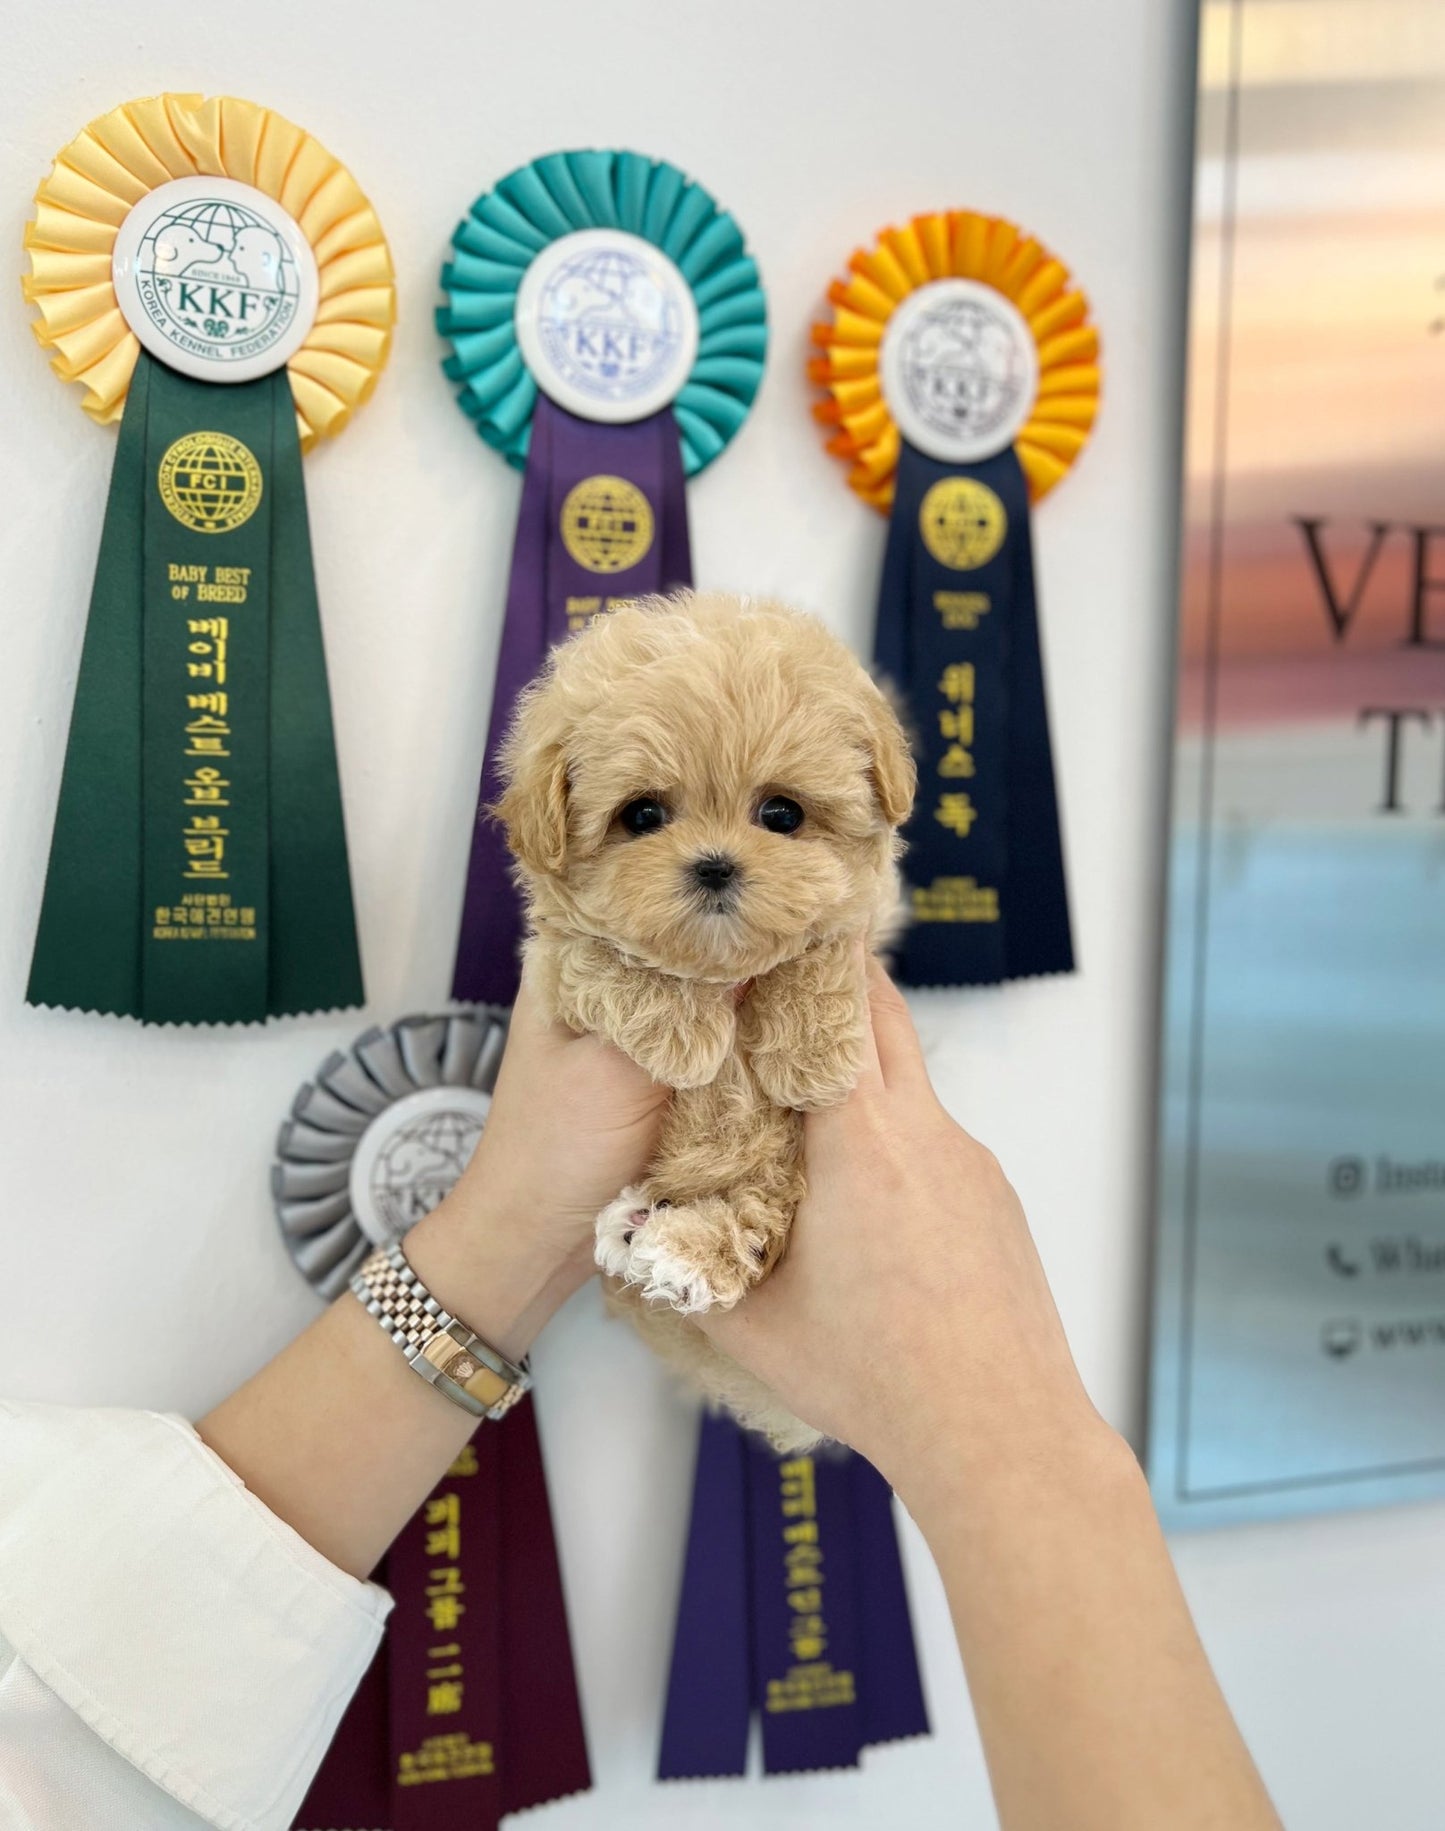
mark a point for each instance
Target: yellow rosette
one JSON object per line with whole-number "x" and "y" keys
{"x": 119, "y": 158}
{"x": 955, "y": 244}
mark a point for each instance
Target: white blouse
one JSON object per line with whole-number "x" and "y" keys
{"x": 172, "y": 1655}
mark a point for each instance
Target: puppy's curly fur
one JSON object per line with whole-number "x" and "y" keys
{"x": 740, "y": 986}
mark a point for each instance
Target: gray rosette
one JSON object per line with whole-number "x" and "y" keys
{"x": 380, "y": 1135}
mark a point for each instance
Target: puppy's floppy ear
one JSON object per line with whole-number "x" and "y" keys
{"x": 534, "y": 807}
{"x": 894, "y": 778}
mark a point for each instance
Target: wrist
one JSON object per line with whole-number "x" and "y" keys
{"x": 977, "y": 1463}
{"x": 499, "y": 1272}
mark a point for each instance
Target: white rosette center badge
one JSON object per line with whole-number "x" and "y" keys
{"x": 960, "y": 370}
{"x": 608, "y": 324}
{"x": 213, "y": 275}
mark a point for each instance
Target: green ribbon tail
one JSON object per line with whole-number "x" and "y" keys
{"x": 315, "y": 961}
{"x": 87, "y": 954}
{"x": 198, "y": 869}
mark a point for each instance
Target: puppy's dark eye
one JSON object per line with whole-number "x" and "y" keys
{"x": 645, "y": 815}
{"x": 780, "y": 815}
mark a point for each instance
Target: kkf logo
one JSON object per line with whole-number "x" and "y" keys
{"x": 217, "y": 281}
{"x": 608, "y": 324}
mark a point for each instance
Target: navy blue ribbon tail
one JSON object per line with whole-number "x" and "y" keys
{"x": 958, "y": 636}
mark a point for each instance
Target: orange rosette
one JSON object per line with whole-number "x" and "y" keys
{"x": 954, "y": 244}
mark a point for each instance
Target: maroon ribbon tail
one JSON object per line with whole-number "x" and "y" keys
{"x": 470, "y": 1709}
{"x": 352, "y": 1787}
{"x": 544, "y": 1745}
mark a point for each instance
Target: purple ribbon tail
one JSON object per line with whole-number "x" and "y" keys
{"x": 488, "y": 964}
{"x": 793, "y": 1605}
{"x": 892, "y": 1690}
{"x": 709, "y": 1692}
{"x": 675, "y": 541}
{"x": 550, "y": 594}
{"x": 806, "y": 1654}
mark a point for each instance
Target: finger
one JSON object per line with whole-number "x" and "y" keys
{"x": 529, "y": 1034}
{"x": 900, "y": 1054}
{"x": 870, "y": 1074}
{"x": 529, "y": 1019}
{"x": 542, "y": 1048}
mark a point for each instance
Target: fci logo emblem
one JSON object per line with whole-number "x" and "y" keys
{"x": 607, "y": 524}
{"x": 210, "y": 482}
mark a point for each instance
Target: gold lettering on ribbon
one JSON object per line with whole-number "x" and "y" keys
{"x": 954, "y": 899}
{"x": 810, "y": 1683}
{"x": 206, "y": 915}
{"x": 450, "y": 1755}
{"x": 961, "y": 609}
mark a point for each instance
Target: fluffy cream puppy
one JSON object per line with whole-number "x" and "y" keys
{"x": 703, "y": 795}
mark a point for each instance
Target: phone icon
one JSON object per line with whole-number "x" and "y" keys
{"x": 1339, "y": 1264}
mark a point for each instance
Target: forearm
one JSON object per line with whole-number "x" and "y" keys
{"x": 1069, "y": 1614}
{"x": 337, "y": 1435}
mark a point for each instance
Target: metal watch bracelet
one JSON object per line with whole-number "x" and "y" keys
{"x": 445, "y": 1352}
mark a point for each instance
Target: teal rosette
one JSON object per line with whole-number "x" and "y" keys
{"x": 558, "y": 195}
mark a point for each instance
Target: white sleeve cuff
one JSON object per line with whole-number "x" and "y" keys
{"x": 186, "y": 1624}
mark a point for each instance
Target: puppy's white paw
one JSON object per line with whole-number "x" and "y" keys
{"x": 616, "y": 1226}
{"x": 670, "y": 1255}
{"x": 669, "y": 1276}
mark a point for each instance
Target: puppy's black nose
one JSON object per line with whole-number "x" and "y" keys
{"x": 714, "y": 871}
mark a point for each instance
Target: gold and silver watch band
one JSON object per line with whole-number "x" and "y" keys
{"x": 442, "y": 1350}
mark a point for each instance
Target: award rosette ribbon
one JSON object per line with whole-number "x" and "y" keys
{"x": 470, "y": 1709}
{"x": 607, "y": 331}
{"x": 961, "y": 375}
{"x": 217, "y": 283}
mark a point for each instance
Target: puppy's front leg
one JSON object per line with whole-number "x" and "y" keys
{"x": 714, "y": 1210}
{"x": 802, "y": 1027}
{"x": 678, "y": 1030}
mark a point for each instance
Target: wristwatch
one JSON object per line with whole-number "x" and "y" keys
{"x": 445, "y": 1352}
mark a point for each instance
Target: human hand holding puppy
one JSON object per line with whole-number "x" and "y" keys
{"x": 910, "y": 1317}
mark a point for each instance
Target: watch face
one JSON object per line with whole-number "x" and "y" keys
{"x": 215, "y": 279}
{"x": 379, "y": 1137}
{"x": 607, "y": 325}
{"x": 411, "y": 1156}
{"x": 959, "y": 370}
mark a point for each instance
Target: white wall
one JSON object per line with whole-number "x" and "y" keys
{"x": 135, "y": 1162}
